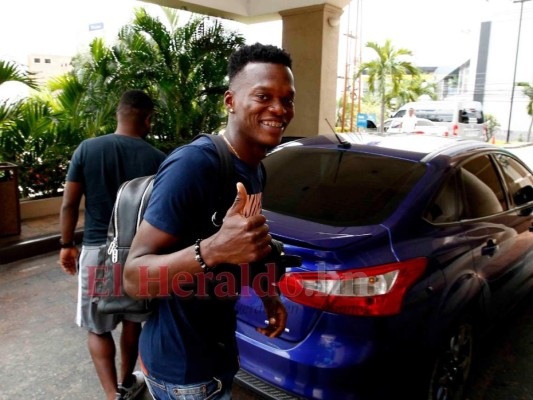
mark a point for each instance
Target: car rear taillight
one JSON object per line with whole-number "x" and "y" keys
{"x": 455, "y": 130}
{"x": 419, "y": 132}
{"x": 373, "y": 291}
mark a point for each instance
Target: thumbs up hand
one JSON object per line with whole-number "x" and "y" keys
{"x": 240, "y": 201}
{"x": 240, "y": 239}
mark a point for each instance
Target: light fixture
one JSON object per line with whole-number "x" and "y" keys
{"x": 334, "y": 21}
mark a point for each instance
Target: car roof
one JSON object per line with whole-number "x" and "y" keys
{"x": 415, "y": 147}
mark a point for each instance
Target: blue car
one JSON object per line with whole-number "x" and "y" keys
{"x": 410, "y": 247}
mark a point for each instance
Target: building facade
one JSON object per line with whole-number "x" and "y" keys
{"x": 47, "y": 66}
{"x": 501, "y": 60}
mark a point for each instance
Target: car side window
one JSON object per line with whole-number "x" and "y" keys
{"x": 482, "y": 191}
{"x": 446, "y": 206}
{"x": 517, "y": 178}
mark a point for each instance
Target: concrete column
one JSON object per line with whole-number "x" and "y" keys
{"x": 311, "y": 36}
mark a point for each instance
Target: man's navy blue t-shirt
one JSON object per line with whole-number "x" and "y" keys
{"x": 101, "y": 165}
{"x": 191, "y": 339}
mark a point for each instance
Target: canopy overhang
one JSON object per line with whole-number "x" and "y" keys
{"x": 245, "y": 11}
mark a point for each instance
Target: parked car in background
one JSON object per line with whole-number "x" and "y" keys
{"x": 423, "y": 127}
{"x": 411, "y": 246}
{"x": 462, "y": 118}
{"x": 391, "y": 124}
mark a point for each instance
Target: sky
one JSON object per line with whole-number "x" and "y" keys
{"x": 438, "y": 32}
{"x": 58, "y": 26}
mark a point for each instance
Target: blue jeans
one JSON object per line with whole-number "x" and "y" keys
{"x": 215, "y": 389}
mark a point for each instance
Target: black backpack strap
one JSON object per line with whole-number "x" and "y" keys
{"x": 264, "y": 175}
{"x": 226, "y": 176}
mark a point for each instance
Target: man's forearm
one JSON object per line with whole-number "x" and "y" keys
{"x": 68, "y": 217}
{"x": 68, "y": 220}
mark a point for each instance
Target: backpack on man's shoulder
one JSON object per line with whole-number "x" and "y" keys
{"x": 130, "y": 205}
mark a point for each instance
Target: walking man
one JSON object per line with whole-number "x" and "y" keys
{"x": 97, "y": 169}
{"x": 409, "y": 121}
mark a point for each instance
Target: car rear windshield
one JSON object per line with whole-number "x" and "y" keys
{"x": 337, "y": 188}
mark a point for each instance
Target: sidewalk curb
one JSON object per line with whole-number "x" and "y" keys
{"x": 33, "y": 247}
{"x": 516, "y": 145}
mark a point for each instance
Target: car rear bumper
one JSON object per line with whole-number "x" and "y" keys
{"x": 344, "y": 364}
{"x": 262, "y": 388}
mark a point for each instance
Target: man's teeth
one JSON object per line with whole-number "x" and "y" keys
{"x": 273, "y": 124}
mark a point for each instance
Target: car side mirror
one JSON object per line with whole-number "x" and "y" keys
{"x": 522, "y": 196}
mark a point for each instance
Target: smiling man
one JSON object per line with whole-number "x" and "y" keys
{"x": 188, "y": 345}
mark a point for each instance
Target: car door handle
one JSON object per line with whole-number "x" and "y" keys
{"x": 490, "y": 248}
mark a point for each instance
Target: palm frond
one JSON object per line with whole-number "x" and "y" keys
{"x": 11, "y": 71}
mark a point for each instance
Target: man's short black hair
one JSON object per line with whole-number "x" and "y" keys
{"x": 136, "y": 99}
{"x": 257, "y": 53}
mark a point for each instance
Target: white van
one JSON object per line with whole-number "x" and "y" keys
{"x": 463, "y": 118}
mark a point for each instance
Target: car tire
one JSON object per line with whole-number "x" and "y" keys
{"x": 451, "y": 366}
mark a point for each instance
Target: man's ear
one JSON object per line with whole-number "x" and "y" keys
{"x": 148, "y": 124}
{"x": 228, "y": 99}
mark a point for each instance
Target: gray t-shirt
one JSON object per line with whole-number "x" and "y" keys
{"x": 101, "y": 165}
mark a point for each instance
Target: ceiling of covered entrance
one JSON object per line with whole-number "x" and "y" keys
{"x": 246, "y": 11}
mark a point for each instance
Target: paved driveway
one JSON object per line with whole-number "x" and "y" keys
{"x": 44, "y": 355}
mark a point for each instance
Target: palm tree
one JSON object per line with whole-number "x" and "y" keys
{"x": 86, "y": 98}
{"x": 386, "y": 73}
{"x": 528, "y": 91}
{"x": 186, "y": 67}
{"x": 11, "y": 71}
{"x": 183, "y": 68}
{"x": 30, "y": 142}
{"x": 10, "y": 112}
{"x": 411, "y": 89}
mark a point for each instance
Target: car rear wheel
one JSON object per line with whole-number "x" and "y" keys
{"x": 452, "y": 365}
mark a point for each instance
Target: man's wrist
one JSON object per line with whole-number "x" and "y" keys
{"x": 66, "y": 245}
{"x": 198, "y": 255}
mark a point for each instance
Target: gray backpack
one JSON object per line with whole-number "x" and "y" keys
{"x": 130, "y": 205}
